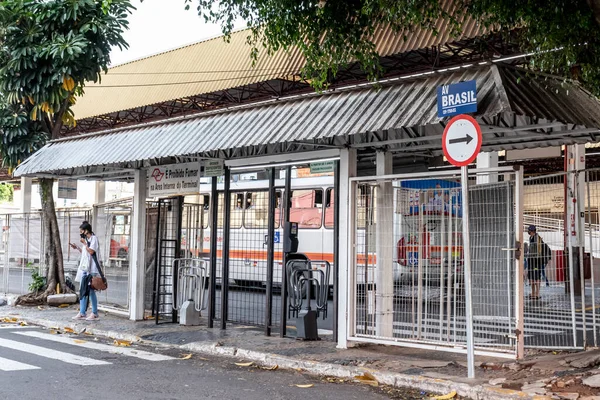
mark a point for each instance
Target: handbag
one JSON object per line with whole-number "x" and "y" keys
{"x": 99, "y": 283}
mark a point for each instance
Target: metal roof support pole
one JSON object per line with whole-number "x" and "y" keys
{"x": 384, "y": 273}
{"x": 99, "y": 198}
{"x": 225, "y": 247}
{"x": 214, "y": 233}
{"x": 347, "y": 267}
{"x": 25, "y": 203}
{"x": 287, "y": 205}
{"x": 136, "y": 265}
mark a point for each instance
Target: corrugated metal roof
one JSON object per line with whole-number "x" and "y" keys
{"x": 213, "y": 65}
{"x": 318, "y": 117}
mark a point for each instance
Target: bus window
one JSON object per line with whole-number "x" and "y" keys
{"x": 256, "y": 214}
{"x": 205, "y": 202}
{"x": 329, "y": 208}
{"x": 307, "y": 208}
{"x": 236, "y": 212}
{"x": 278, "y": 205}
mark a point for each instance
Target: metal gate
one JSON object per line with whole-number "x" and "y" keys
{"x": 252, "y": 272}
{"x": 564, "y": 209}
{"x": 407, "y": 278}
{"x": 168, "y": 249}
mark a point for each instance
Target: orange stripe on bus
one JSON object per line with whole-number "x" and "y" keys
{"x": 255, "y": 255}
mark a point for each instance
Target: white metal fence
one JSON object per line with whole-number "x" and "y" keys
{"x": 22, "y": 246}
{"x": 407, "y": 271}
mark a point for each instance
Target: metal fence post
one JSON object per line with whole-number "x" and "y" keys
{"x": 467, "y": 269}
{"x": 287, "y": 202}
{"x": 520, "y": 270}
{"x": 581, "y": 243}
{"x": 214, "y": 233}
{"x": 589, "y": 210}
{"x": 336, "y": 246}
{"x": 571, "y": 189}
{"x": 270, "y": 253}
{"x": 225, "y": 256}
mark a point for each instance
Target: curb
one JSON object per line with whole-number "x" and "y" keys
{"x": 475, "y": 392}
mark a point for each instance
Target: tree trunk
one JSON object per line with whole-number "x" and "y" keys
{"x": 55, "y": 271}
{"x": 595, "y": 6}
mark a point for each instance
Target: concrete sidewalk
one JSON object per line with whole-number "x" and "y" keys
{"x": 554, "y": 375}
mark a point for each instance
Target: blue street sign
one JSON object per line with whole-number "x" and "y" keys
{"x": 457, "y": 98}
{"x": 277, "y": 238}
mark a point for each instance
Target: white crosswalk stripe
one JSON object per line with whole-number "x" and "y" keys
{"x": 144, "y": 355}
{"x": 11, "y": 365}
{"x": 49, "y": 353}
{"x": 3, "y": 326}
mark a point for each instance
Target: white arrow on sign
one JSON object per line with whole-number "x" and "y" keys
{"x": 461, "y": 141}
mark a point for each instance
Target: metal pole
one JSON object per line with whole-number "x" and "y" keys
{"x": 467, "y": 261}
{"x": 421, "y": 248}
{"x": 336, "y": 246}
{"x": 581, "y": 239}
{"x": 571, "y": 211}
{"x": 157, "y": 264}
{"x": 520, "y": 284}
{"x": 179, "y": 222}
{"x": 589, "y": 205}
{"x": 450, "y": 257}
{"x": 366, "y": 273}
{"x": 270, "y": 252}
{"x": 225, "y": 246}
{"x": 442, "y": 262}
{"x": 509, "y": 204}
{"x": 214, "y": 233}
{"x": 287, "y": 203}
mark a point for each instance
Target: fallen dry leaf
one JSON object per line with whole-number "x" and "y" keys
{"x": 78, "y": 341}
{"x": 186, "y": 356}
{"x": 88, "y": 333}
{"x": 63, "y": 306}
{"x": 248, "y": 364}
{"x": 448, "y": 396}
{"x": 123, "y": 343}
{"x": 273, "y": 368}
{"x": 305, "y": 386}
{"x": 68, "y": 330}
{"x": 53, "y": 332}
{"x": 23, "y": 323}
{"x": 367, "y": 379}
{"x": 41, "y": 308}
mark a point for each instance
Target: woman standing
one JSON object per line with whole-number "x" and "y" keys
{"x": 89, "y": 249}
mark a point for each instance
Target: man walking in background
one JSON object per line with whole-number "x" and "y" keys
{"x": 538, "y": 255}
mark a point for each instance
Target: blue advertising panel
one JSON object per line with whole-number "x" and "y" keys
{"x": 440, "y": 196}
{"x": 457, "y": 98}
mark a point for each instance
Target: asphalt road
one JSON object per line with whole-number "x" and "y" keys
{"x": 33, "y": 365}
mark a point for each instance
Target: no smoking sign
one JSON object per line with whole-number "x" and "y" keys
{"x": 461, "y": 141}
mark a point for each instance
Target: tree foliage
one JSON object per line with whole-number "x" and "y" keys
{"x": 564, "y": 34}
{"x": 6, "y": 192}
{"x": 49, "y": 49}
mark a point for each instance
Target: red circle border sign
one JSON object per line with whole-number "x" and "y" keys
{"x": 479, "y": 138}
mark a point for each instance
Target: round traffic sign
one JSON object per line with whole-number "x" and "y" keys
{"x": 461, "y": 140}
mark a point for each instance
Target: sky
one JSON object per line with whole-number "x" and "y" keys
{"x": 161, "y": 25}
